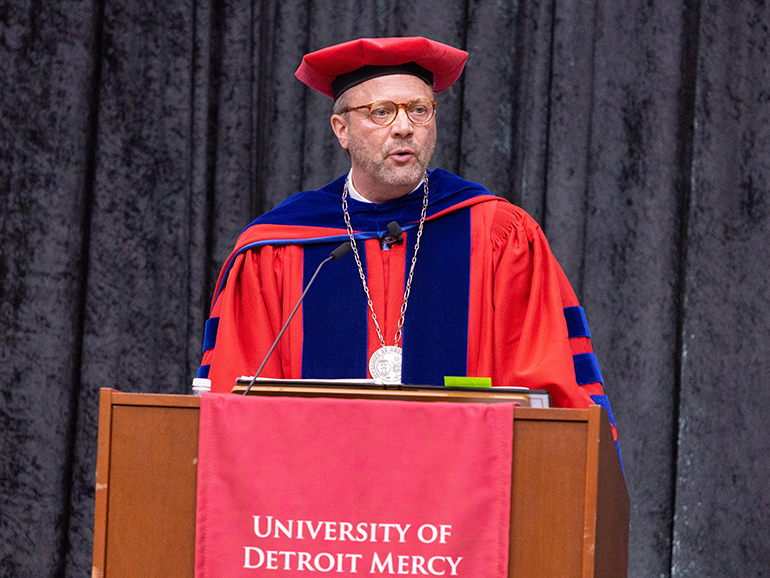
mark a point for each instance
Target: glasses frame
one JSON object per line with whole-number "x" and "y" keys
{"x": 404, "y": 105}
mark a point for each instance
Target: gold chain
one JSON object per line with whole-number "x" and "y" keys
{"x": 408, "y": 288}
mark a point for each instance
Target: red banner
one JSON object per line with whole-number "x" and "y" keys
{"x": 288, "y": 486}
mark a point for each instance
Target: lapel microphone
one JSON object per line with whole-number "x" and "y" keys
{"x": 395, "y": 235}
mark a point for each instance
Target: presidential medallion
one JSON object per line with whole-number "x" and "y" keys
{"x": 385, "y": 364}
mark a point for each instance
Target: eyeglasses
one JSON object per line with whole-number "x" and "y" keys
{"x": 384, "y": 112}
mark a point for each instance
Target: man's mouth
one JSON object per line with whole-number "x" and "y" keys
{"x": 402, "y": 154}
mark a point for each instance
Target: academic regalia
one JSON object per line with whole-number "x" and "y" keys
{"x": 488, "y": 298}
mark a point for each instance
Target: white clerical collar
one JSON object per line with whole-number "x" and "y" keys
{"x": 354, "y": 194}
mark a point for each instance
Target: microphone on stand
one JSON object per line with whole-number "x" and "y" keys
{"x": 333, "y": 256}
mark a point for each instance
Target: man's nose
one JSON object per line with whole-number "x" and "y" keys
{"x": 401, "y": 125}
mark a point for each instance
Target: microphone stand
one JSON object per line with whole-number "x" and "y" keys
{"x": 333, "y": 256}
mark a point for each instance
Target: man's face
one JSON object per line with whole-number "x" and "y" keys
{"x": 388, "y": 161}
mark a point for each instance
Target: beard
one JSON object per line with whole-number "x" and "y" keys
{"x": 375, "y": 166}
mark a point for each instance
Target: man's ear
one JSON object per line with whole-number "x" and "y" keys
{"x": 340, "y": 128}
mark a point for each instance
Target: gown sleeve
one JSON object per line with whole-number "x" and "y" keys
{"x": 258, "y": 290}
{"x": 537, "y": 329}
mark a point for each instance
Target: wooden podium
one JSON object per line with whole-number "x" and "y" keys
{"x": 569, "y": 504}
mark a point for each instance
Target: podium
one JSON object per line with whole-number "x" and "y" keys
{"x": 569, "y": 504}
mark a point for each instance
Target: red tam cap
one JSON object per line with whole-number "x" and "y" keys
{"x": 333, "y": 70}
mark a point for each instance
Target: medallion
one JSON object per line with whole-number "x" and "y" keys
{"x": 385, "y": 364}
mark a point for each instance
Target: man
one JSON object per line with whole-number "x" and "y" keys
{"x": 473, "y": 289}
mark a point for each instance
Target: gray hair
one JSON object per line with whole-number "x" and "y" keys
{"x": 341, "y": 103}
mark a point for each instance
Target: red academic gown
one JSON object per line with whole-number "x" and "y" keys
{"x": 488, "y": 298}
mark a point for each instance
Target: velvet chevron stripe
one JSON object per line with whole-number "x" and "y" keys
{"x": 577, "y": 324}
{"x": 210, "y": 333}
{"x": 587, "y": 368}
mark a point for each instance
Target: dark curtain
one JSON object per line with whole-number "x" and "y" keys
{"x": 138, "y": 138}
